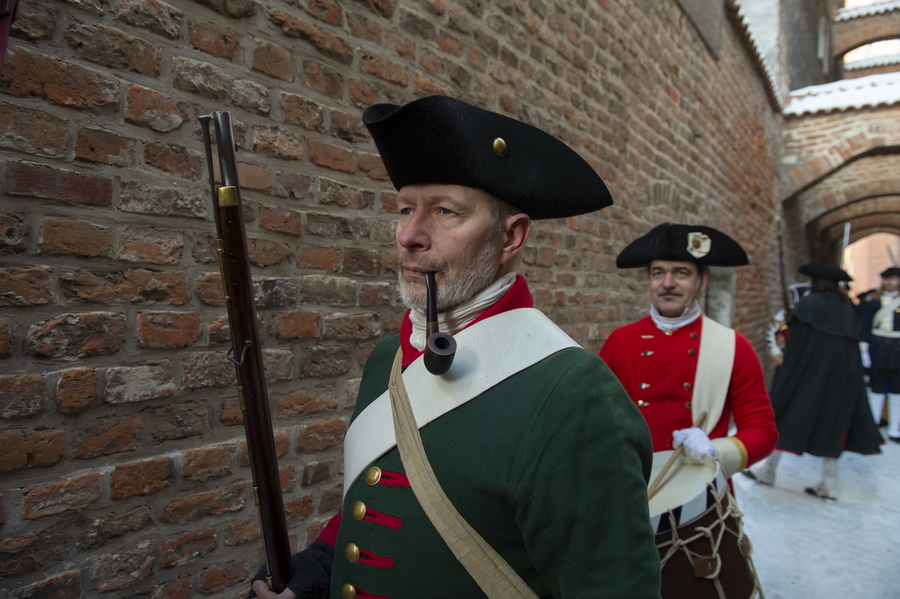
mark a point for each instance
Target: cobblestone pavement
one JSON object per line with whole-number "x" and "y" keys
{"x": 807, "y": 548}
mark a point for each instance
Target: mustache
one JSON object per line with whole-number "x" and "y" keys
{"x": 669, "y": 292}
{"x": 406, "y": 262}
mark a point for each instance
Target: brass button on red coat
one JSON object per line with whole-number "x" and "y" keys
{"x": 687, "y": 386}
{"x": 647, "y": 353}
{"x": 358, "y": 511}
{"x": 692, "y": 352}
{"x": 641, "y": 403}
{"x": 348, "y": 591}
{"x": 351, "y": 552}
{"x": 693, "y": 335}
{"x": 688, "y": 405}
{"x": 373, "y": 475}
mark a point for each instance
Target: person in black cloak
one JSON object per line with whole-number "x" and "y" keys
{"x": 819, "y": 393}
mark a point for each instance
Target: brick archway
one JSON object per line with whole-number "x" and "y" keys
{"x": 850, "y": 33}
{"x": 867, "y": 216}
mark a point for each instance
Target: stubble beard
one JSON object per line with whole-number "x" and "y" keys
{"x": 458, "y": 288}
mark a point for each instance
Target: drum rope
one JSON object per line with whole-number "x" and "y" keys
{"x": 714, "y": 536}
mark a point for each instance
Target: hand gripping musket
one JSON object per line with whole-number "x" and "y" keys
{"x": 246, "y": 352}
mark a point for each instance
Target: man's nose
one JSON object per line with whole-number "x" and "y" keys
{"x": 413, "y": 232}
{"x": 668, "y": 280}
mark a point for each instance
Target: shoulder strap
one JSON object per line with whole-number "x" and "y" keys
{"x": 488, "y": 352}
{"x": 495, "y": 577}
{"x": 714, "y": 366}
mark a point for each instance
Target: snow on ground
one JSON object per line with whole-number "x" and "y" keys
{"x": 807, "y": 548}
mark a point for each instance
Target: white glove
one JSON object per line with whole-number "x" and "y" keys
{"x": 864, "y": 354}
{"x": 696, "y": 444}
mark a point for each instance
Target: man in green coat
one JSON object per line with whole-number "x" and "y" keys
{"x": 532, "y": 439}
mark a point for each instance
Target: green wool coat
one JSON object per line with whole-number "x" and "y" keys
{"x": 550, "y": 467}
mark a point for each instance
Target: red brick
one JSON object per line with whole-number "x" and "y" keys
{"x": 111, "y": 525}
{"x": 232, "y": 415}
{"x": 362, "y": 93}
{"x": 126, "y": 568}
{"x": 330, "y": 156}
{"x": 142, "y": 244}
{"x": 318, "y": 258}
{"x": 273, "y": 220}
{"x": 132, "y": 384}
{"x": 78, "y": 335}
{"x": 213, "y": 39}
{"x": 168, "y": 330}
{"x": 27, "y": 73}
{"x": 296, "y": 325}
{"x": 377, "y": 294}
{"x": 179, "y": 588}
{"x": 46, "y": 448}
{"x": 13, "y": 453}
{"x": 70, "y": 237}
{"x": 188, "y": 547}
{"x": 208, "y": 462}
{"x": 113, "y": 49}
{"x": 318, "y": 472}
{"x": 37, "y": 181}
{"x": 321, "y": 435}
{"x": 358, "y": 261}
{"x": 31, "y": 553}
{"x": 372, "y": 165}
{"x": 362, "y": 27}
{"x": 209, "y": 289}
{"x": 178, "y": 420}
{"x": 133, "y": 286}
{"x": 32, "y": 132}
{"x": 350, "y": 327}
{"x": 210, "y": 503}
{"x": 12, "y": 234}
{"x": 331, "y": 500}
{"x": 183, "y": 163}
{"x": 22, "y": 395}
{"x": 277, "y": 142}
{"x": 242, "y": 531}
{"x": 329, "y": 44}
{"x": 307, "y": 401}
{"x": 218, "y": 331}
{"x": 218, "y": 578}
{"x": 281, "y": 447}
{"x": 106, "y": 436}
{"x": 298, "y": 509}
{"x": 140, "y": 478}
{"x": 375, "y": 64}
{"x": 5, "y": 339}
{"x": 25, "y": 287}
{"x": 273, "y": 61}
{"x": 254, "y": 177}
{"x": 104, "y": 147}
{"x": 292, "y": 185}
{"x": 303, "y": 112}
{"x": 208, "y": 369}
{"x": 319, "y": 78}
{"x": 151, "y": 109}
{"x": 64, "y": 586}
{"x": 267, "y": 253}
{"x": 53, "y": 499}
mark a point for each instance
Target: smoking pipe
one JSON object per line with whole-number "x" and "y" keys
{"x": 439, "y": 347}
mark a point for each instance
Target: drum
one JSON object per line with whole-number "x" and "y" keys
{"x": 703, "y": 551}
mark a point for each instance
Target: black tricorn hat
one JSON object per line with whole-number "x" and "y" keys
{"x": 701, "y": 245}
{"x": 822, "y": 270}
{"x": 438, "y": 139}
{"x": 893, "y": 271}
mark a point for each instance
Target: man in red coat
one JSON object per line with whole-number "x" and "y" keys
{"x": 677, "y": 363}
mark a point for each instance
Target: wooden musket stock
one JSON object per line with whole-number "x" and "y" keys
{"x": 246, "y": 352}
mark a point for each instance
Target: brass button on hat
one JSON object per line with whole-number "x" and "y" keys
{"x": 688, "y": 386}
{"x": 692, "y": 352}
{"x": 358, "y": 511}
{"x": 348, "y": 591}
{"x": 351, "y": 552}
{"x": 500, "y": 146}
{"x": 373, "y": 475}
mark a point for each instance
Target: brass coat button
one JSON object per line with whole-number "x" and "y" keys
{"x": 687, "y": 386}
{"x": 692, "y": 352}
{"x": 348, "y": 591}
{"x": 351, "y": 552}
{"x": 693, "y": 335}
{"x": 647, "y": 353}
{"x": 641, "y": 403}
{"x": 358, "y": 511}
{"x": 373, "y": 475}
{"x": 688, "y": 405}
{"x": 670, "y": 333}
{"x": 500, "y": 146}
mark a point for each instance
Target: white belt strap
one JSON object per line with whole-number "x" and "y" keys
{"x": 488, "y": 352}
{"x": 714, "y": 366}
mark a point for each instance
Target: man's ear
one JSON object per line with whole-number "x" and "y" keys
{"x": 517, "y": 229}
{"x": 704, "y": 281}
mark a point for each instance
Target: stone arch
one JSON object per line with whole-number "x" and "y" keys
{"x": 850, "y": 33}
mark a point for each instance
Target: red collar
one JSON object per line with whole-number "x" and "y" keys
{"x": 518, "y": 296}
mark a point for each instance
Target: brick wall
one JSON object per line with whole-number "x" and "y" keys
{"x": 852, "y": 33}
{"x": 123, "y": 471}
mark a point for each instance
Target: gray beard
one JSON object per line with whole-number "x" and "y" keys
{"x": 460, "y": 288}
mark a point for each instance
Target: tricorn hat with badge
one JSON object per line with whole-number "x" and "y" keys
{"x": 438, "y": 139}
{"x": 701, "y": 245}
{"x": 893, "y": 271}
{"x": 823, "y": 270}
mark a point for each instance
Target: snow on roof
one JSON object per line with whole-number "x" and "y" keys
{"x": 845, "y": 14}
{"x": 762, "y": 63}
{"x": 872, "y": 62}
{"x": 846, "y": 94}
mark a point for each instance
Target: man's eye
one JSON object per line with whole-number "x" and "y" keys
{"x": 446, "y": 211}
{"x": 405, "y": 211}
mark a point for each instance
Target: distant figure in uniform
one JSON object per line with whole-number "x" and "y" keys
{"x": 880, "y": 345}
{"x": 776, "y": 332}
{"x": 533, "y": 440}
{"x": 819, "y": 391}
{"x": 659, "y": 358}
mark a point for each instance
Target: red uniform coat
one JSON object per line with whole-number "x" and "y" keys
{"x": 657, "y": 369}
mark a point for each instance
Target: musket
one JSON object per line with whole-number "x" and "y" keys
{"x": 784, "y": 290}
{"x": 246, "y": 352}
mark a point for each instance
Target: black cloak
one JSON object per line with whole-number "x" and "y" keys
{"x": 819, "y": 393}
